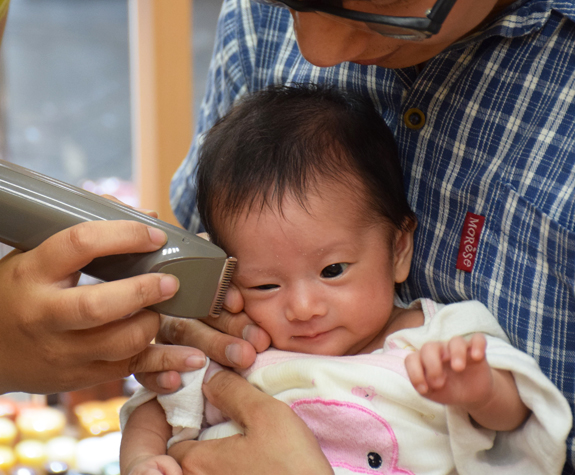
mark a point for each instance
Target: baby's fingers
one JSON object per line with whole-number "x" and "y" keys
{"x": 159, "y": 465}
{"x": 432, "y": 358}
{"x": 477, "y": 346}
{"x": 458, "y": 352}
{"x": 415, "y": 372}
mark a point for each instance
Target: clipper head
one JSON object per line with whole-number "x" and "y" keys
{"x": 203, "y": 286}
{"x": 223, "y": 285}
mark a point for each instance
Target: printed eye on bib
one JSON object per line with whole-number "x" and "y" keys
{"x": 472, "y": 228}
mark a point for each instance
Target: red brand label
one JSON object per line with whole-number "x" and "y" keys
{"x": 469, "y": 241}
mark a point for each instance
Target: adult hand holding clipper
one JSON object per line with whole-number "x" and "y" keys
{"x": 57, "y": 336}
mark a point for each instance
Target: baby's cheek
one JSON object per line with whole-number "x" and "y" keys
{"x": 261, "y": 312}
{"x": 274, "y": 324}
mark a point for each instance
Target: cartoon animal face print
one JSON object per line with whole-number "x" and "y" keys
{"x": 335, "y": 423}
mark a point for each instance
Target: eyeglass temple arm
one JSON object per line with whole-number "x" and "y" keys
{"x": 438, "y": 14}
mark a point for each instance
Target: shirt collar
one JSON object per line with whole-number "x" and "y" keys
{"x": 519, "y": 19}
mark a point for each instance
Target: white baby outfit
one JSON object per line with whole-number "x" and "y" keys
{"x": 369, "y": 419}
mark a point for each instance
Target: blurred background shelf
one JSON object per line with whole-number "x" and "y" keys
{"x": 65, "y": 85}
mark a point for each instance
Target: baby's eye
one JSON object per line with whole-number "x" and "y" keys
{"x": 265, "y": 287}
{"x": 333, "y": 270}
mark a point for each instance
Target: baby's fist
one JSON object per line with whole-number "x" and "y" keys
{"x": 159, "y": 465}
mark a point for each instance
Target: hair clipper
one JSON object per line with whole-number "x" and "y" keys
{"x": 33, "y": 207}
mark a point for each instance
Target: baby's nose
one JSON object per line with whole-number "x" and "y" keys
{"x": 305, "y": 303}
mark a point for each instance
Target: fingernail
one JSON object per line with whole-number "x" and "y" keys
{"x": 229, "y": 302}
{"x": 163, "y": 381}
{"x": 169, "y": 285}
{"x": 251, "y": 333}
{"x": 157, "y": 236}
{"x": 234, "y": 354}
{"x": 421, "y": 388}
{"x": 196, "y": 361}
{"x": 212, "y": 370}
{"x": 148, "y": 211}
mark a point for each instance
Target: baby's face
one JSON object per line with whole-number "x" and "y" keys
{"x": 320, "y": 282}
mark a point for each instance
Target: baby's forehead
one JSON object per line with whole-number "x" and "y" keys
{"x": 330, "y": 200}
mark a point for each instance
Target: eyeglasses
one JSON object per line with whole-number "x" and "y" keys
{"x": 405, "y": 28}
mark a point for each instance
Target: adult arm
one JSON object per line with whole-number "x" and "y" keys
{"x": 58, "y": 337}
{"x": 275, "y": 439}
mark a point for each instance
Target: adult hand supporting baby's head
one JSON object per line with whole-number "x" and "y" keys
{"x": 232, "y": 339}
{"x": 275, "y": 439}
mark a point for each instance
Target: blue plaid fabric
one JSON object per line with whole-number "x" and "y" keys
{"x": 498, "y": 141}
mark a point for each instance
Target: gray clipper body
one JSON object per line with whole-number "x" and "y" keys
{"x": 33, "y": 207}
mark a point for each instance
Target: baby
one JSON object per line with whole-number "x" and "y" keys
{"x": 303, "y": 186}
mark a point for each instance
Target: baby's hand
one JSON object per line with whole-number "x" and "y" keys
{"x": 157, "y": 465}
{"x": 454, "y": 373}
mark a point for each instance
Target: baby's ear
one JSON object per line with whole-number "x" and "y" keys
{"x": 403, "y": 253}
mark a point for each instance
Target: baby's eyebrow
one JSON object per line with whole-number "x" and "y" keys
{"x": 337, "y": 246}
{"x": 254, "y": 273}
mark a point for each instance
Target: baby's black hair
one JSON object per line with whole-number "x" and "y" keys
{"x": 290, "y": 139}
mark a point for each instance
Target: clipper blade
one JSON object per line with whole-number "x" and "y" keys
{"x": 223, "y": 285}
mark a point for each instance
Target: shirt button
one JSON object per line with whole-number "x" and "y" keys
{"x": 414, "y": 119}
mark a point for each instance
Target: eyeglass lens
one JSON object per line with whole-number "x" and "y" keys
{"x": 385, "y": 30}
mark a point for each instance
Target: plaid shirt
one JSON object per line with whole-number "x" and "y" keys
{"x": 498, "y": 141}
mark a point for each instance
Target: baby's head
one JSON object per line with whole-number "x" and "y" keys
{"x": 303, "y": 186}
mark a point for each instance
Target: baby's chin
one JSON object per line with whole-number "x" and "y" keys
{"x": 312, "y": 346}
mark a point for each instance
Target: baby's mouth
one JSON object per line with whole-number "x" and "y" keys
{"x": 311, "y": 336}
